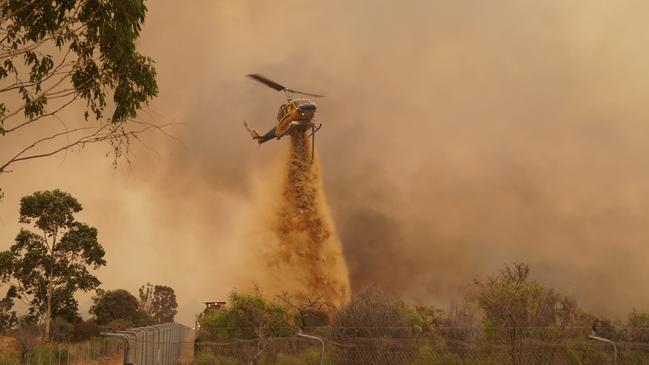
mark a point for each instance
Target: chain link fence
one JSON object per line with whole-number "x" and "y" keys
{"x": 161, "y": 344}
{"x": 409, "y": 351}
{"x": 96, "y": 351}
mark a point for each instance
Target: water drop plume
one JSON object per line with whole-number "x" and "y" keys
{"x": 295, "y": 247}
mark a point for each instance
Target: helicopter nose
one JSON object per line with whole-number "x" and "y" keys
{"x": 308, "y": 107}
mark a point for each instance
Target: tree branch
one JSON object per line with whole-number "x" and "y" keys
{"x": 32, "y": 120}
{"x": 107, "y": 132}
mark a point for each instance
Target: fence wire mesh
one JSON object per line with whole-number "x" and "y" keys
{"x": 93, "y": 352}
{"x": 153, "y": 345}
{"x": 296, "y": 350}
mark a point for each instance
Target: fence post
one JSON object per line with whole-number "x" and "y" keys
{"x": 300, "y": 334}
{"x": 128, "y": 354}
{"x": 602, "y": 339}
{"x": 152, "y": 345}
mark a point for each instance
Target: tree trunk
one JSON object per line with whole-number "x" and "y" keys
{"x": 50, "y": 290}
{"x": 48, "y": 313}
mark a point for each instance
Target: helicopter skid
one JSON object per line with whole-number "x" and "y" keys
{"x": 301, "y": 125}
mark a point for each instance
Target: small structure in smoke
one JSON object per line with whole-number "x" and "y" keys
{"x": 212, "y": 306}
{"x": 209, "y": 308}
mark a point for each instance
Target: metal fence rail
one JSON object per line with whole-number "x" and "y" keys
{"x": 153, "y": 345}
{"x": 379, "y": 351}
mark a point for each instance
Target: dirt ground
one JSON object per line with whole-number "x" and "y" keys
{"x": 187, "y": 351}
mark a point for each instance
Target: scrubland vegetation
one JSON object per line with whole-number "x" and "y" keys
{"x": 506, "y": 318}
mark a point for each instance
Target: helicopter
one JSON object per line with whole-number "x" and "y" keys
{"x": 296, "y": 113}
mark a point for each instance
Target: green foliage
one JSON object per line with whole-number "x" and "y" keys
{"x": 39, "y": 354}
{"x": 586, "y": 352}
{"x": 248, "y": 316}
{"x": 84, "y": 330}
{"x": 426, "y": 356}
{"x": 99, "y": 38}
{"x": 61, "y": 330}
{"x": 414, "y": 320}
{"x": 47, "y": 269}
{"x": 310, "y": 356}
{"x": 49, "y": 211}
{"x": 119, "y": 325}
{"x": 159, "y": 302}
{"x": 207, "y": 357}
{"x": 638, "y": 325}
{"x": 119, "y": 309}
{"x": 8, "y": 318}
{"x": 80, "y": 330}
{"x": 26, "y": 336}
{"x": 638, "y": 357}
{"x": 9, "y": 358}
{"x": 374, "y": 313}
{"x": 516, "y": 308}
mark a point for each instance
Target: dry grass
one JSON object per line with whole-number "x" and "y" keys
{"x": 8, "y": 344}
{"x": 114, "y": 359}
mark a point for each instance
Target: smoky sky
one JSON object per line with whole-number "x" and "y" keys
{"x": 457, "y": 136}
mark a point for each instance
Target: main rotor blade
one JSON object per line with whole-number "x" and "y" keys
{"x": 303, "y": 93}
{"x": 267, "y": 82}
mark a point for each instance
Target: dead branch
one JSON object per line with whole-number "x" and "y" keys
{"x": 108, "y": 132}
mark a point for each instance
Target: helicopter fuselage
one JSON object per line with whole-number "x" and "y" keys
{"x": 295, "y": 113}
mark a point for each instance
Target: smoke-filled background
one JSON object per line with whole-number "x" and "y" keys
{"x": 458, "y": 136}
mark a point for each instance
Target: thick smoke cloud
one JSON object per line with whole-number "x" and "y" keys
{"x": 457, "y": 136}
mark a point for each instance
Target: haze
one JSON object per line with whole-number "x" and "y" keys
{"x": 457, "y": 136}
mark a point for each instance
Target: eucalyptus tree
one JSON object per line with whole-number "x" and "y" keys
{"x": 47, "y": 268}
{"x": 159, "y": 302}
{"x": 58, "y": 53}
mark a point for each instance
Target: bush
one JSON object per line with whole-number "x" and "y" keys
{"x": 121, "y": 305}
{"x": 248, "y": 316}
{"x": 374, "y": 313}
{"x": 638, "y": 325}
{"x": 310, "y": 356}
{"x": 119, "y": 325}
{"x": 85, "y": 330}
{"x": 634, "y": 358}
{"x": 588, "y": 353}
{"x": 207, "y": 357}
{"x": 61, "y": 330}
